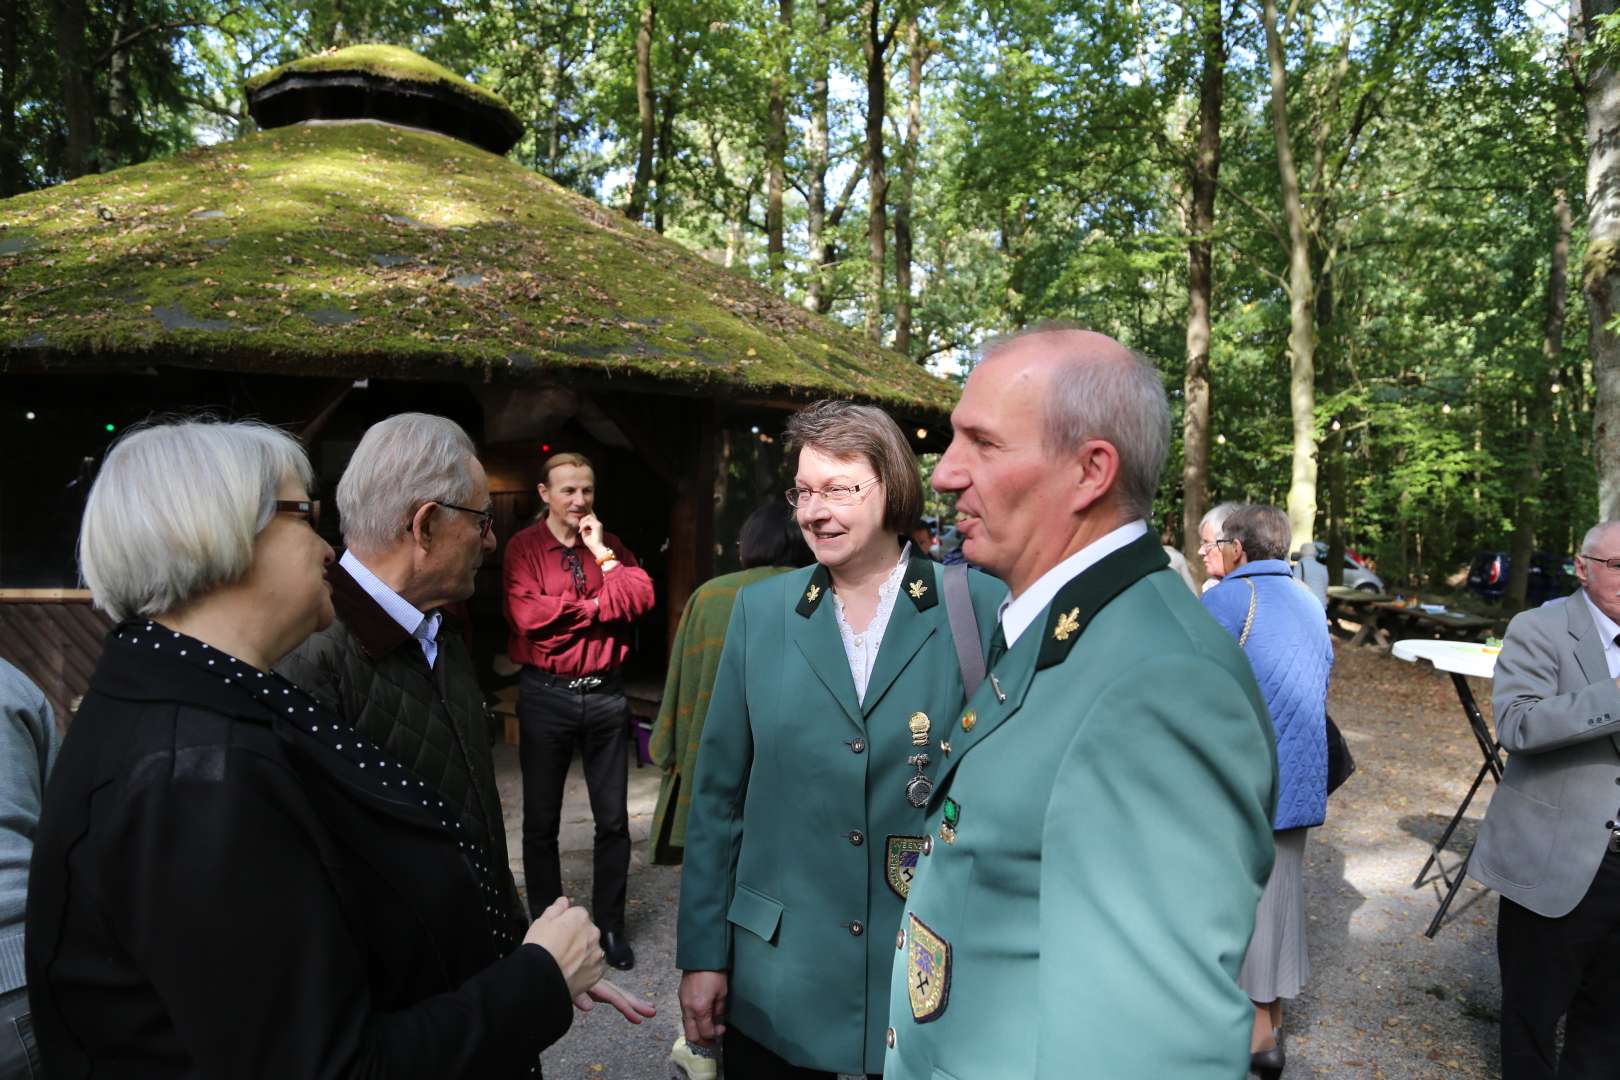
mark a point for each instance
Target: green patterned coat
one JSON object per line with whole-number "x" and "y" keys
{"x": 693, "y": 660}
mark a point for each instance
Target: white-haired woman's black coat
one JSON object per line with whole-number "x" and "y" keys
{"x": 228, "y": 882}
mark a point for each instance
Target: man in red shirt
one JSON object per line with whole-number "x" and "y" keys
{"x": 570, "y": 612}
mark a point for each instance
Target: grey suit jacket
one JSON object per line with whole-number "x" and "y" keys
{"x": 1558, "y": 716}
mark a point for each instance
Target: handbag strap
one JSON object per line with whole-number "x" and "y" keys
{"x": 964, "y": 627}
{"x": 1248, "y": 620}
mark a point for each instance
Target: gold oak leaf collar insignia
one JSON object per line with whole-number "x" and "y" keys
{"x": 916, "y": 589}
{"x": 1080, "y": 601}
{"x": 810, "y": 599}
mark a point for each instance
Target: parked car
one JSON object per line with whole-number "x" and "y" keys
{"x": 1551, "y": 576}
{"x": 1356, "y": 576}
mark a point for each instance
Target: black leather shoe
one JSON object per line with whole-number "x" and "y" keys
{"x": 617, "y": 950}
{"x": 1267, "y": 1064}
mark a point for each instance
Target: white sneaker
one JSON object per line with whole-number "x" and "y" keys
{"x": 691, "y": 1063}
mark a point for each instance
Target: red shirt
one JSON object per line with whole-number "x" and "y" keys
{"x": 555, "y": 626}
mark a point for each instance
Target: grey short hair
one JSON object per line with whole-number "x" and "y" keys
{"x": 1121, "y": 402}
{"x": 1217, "y": 515}
{"x": 401, "y": 463}
{"x": 175, "y": 510}
{"x": 1594, "y": 534}
{"x": 1263, "y": 531}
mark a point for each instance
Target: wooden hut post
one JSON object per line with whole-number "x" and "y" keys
{"x": 691, "y": 517}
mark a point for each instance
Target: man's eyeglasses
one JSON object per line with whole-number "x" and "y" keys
{"x": 308, "y": 509}
{"x": 832, "y": 494}
{"x": 486, "y": 518}
{"x": 1612, "y": 565}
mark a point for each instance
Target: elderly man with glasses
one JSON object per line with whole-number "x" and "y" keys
{"x": 570, "y": 614}
{"x": 1550, "y": 842}
{"x": 416, "y": 522}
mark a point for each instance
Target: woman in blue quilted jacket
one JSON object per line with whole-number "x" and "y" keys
{"x": 1283, "y": 631}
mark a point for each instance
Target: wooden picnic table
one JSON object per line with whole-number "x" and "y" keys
{"x": 1380, "y": 619}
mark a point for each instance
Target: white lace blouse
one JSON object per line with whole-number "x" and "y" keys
{"x": 862, "y": 649}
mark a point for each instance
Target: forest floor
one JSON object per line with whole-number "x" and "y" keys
{"x": 1383, "y": 1002}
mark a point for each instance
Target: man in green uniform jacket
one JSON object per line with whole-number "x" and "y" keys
{"x": 1101, "y": 828}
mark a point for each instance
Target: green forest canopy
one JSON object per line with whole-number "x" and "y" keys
{"x": 1029, "y": 159}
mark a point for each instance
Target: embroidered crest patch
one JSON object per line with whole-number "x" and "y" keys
{"x": 928, "y": 972}
{"x": 900, "y": 863}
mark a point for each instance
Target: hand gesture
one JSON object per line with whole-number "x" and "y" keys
{"x": 703, "y": 1004}
{"x": 573, "y": 941}
{"x": 631, "y": 1007}
{"x": 591, "y": 531}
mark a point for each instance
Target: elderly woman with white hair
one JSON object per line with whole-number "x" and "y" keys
{"x": 226, "y": 882}
{"x": 1209, "y": 542}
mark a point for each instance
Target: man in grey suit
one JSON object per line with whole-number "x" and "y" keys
{"x": 1550, "y": 843}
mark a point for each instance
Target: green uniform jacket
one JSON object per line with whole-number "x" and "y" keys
{"x": 787, "y": 881}
{"x": 694, "y": 660}
{"x": 1097, "y": 844}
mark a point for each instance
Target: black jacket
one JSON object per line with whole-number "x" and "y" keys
{"x": 228, "y": 882}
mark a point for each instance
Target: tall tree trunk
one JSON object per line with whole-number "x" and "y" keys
{"x": 776, "y": 146}
{"x": 1206, "y": 167}
{"x": 1301, "y": 318}
{"x": 78, "y": 92}
{"x": 916, "y": 56}
{"x": 1538, "y": 405}
{"x": 816, "y": 155}
{"x": 645, "y": 108}
{"x": 666, "y": 151}
{"x": 1601, "y": 270}
{"x": 13, "y": 17}
{"x": 874, "y": 46}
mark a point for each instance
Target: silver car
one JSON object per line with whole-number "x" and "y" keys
{"x": 1356, "y": 576}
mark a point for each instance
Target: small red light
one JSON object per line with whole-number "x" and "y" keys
{"x": 545, "y": 448}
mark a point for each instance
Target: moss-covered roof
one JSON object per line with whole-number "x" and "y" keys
{"x": 383, "y": 61}
{"x": 363, "y": 248}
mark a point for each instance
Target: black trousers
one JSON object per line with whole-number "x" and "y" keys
{"x": 745, "y": 1059}
{"x": 552, "y": 721}
{"x": 1556, "y": 967}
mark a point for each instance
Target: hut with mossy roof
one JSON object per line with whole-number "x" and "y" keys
{"x": 371, "y": 251}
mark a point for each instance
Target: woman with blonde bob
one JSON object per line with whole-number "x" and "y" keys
{"x": 227, "y": 881}
{"x": 837, "y": 694}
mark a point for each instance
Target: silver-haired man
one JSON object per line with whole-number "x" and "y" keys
{"x": 417, "y": 524}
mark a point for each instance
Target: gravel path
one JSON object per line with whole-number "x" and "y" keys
{"x": 1383, "y": 1001}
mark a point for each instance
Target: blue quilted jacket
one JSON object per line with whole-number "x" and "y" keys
{"x": 1292, "y": 657}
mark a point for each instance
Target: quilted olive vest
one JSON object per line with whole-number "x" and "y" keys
{"x": 368, "y": 670}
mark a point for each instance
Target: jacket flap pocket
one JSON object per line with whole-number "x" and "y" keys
{"x": 755, "y": 912}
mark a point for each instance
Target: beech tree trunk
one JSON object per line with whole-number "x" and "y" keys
{"x": 1206, "y": 167}
{"x": 776, "y": 147}
{"x": 78, "y": 92}
{"x": 1538, "y": 406}
{"x": 1601, "y": 272}
{"x": 916, "y": 56}
{"x": 816, "y": 155}
{"x": 874, "y": 46}
{"x": 12, "y": 16}
{"x": 666, "y": 151}
{"x": 648, "y": 113}
{"x": 1301, "y": 319}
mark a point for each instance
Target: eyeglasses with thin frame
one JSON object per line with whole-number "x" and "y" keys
{"x": 1611, "y": 565}
{"x": 308, "y": 509}
{"x": 486, "y": 518}
{"x": 832, "y": 494}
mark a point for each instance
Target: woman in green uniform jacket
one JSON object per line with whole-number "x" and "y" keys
{"x": 826, "y": 726}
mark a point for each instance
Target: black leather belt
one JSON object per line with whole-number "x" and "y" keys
{"x": 608, "y": 682}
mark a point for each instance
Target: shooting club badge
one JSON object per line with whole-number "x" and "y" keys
{"x": 928, "y": 971}
{"x": 900, "y": 863}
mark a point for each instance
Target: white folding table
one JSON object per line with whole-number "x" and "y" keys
{"x": 1459, "y": 659}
